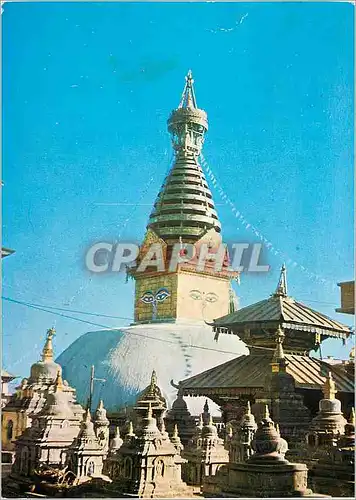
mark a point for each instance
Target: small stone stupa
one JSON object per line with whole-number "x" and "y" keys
{"x": 179, "y": 415}
{"x": 146, "y": 462}
{"x": 266, "y": 473}
{"x": 328, "y": 425}
{"x": 101, "y": 427}
{"x": 86, "y": 454}
{"x": 334, "y": 473}
{"x": 52, "y": 431}
{"x": 205, "y": 453}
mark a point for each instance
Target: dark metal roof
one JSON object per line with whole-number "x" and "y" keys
{"x": 285, "y": 311}
{"x": 249, "y": 372}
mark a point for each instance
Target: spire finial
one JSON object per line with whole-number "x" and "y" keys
{"x": 130, "y": 432}
{"x": 266, "y": 413}
{"x": 248, "y": 410}
{"x": 117, "y": 431}
{"x": 175, "y": 431}
{"x": 188, "y": 97}
{"x": 352, "y": 416}
{"x": 329, "y": 387}
{"x": 47, "y": 352}
{"x": 206, "y": 406}
{"x": 153, "y": 378}
{"x": 201, "y": 421}
{"x": 278, "y": 356}
{"x": 210, "y": 420}
{"x": 281, "y": 290}
{"x": 86, "y": 416}
{"x": 58, "y": 384}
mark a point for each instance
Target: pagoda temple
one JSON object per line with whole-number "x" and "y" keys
{"x": 263, "y": 327}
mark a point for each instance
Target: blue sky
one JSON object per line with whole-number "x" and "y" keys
{"x": 87, "y": 89}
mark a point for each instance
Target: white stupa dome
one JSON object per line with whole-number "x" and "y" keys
{"x": 126, "y": 357}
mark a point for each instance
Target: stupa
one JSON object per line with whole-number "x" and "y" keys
{"x": 171, "y": 305}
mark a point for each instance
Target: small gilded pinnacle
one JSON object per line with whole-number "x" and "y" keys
{"x": 130, "y": 431}
{"x": 266, "y": 413}
{"x": 58, "y": 382}
{"x": 248, "y": 410}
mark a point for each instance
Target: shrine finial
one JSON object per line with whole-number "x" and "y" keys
{"x": 281, "y": 290}
{"x": 329, "y": 387}
{"x": 188, "y": 99}
{"x": 47, "y": 352}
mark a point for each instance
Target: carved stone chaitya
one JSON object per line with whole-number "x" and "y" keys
{"x": 180, "y": 416}
{"x": 86, "y": 454}
{"x": 147, "y": 464}
{"x": 265, "y": 473}
{"x": 205, "y": 453}
{"x": 101, "y": 427}
{"x": 52, "y": 431}
{"x": 31, "y": 394}
{"x": 329, "y": 424}
{"x": 240, "y": 445}
{"x": 334, "y": 474}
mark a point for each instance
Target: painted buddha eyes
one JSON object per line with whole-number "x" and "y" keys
{"x": 149, "y": 297}
{"x": 162, "y": 294}
{"x": 195, "y": 294}
{"x": 211, "y": 297}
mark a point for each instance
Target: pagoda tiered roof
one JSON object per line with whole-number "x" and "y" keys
{"x": 304, "y": 327}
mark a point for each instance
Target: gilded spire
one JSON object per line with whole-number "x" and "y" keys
{"x": 281, "y": 290}
{"x": 188, "y": 97}
{"x": 329, "y": 387}
{"x": 265, "y": 414}
{"x": 130, "y": 431}
{"x": 153, "y": 379}
{"x": 352, "y": 416}
{"x": 175, "y": 431}
{"x": 278, "y": 360}
{"x": 176, "y": 216}
{"x": 58, "y": 384}
{"x": 47, "y": 352}
{"x": 248, "y": 410}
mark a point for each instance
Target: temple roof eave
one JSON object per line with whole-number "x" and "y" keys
{"x": 281, "y": 311}
{"x": 239, "y": 328}
{"x": 246, "y": 375}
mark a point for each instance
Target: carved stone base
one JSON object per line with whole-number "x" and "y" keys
{"x": 251, "y": 480}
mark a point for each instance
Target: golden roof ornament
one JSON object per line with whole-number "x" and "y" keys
{"x": 281, "y": 290}
{"x": 352, "y": 416}
{"x": 58, "y": 384}
{"x": 278, "y": 359}
{"x": 265, "y": 415}
{"x": 248, "y": 409}
{"x": 153, "y": 379}
{"x": 47, "y": 352}
{"x": 130, "y": 431}
{"x": 175, "y": 431}
{"x": 188, "y": 99}
{"x": 329, "y": 387}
